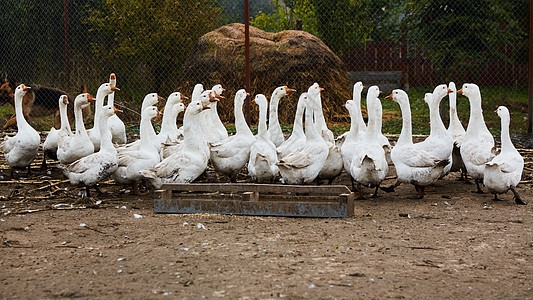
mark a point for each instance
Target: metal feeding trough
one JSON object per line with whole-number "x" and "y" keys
{"x": 335, "y": 201}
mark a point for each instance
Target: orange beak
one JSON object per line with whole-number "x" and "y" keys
{"x": 389, "y": 97}
{"x": 159, "y": 98}
{"x": 289, "y": 91}
{"x": 247, "y": 94}
{"x": 90, "y": 98}
{"x": 219, "y": 97}
{"x": 183, "y": 97}
{"x": 364, "y": 86}
{"x": 159, "y": 113}
{"x": 116, "y": 110}
{"x": 184, "y": 107}
{"x": 112, "y": 77}
{"x": 204, "y": 107}
{"x": 114, "y": 88}
{"x": 450, "y": 91}
{"x": 65, "y": 100}
{"x": 380, "y": 92}
{"x": 25, "y": 88}
{"x": 223, "y": 90}
{"x": 321, "y": 89}
{"x": 460, "y": 91}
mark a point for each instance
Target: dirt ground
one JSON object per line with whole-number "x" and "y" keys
{"x": 451, "y": 244}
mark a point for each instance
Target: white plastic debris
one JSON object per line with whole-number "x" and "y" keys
{"x": 26, "y": 228}
{"x": 83, "y": 225}
{"x": 136, "y": 216}
{"x": 98, "y": 202}
{"x": 119, "y": 271}
{"x": 185, "y": 223}
{"x": 63, "y": 243}
{"x": 312, "y": 286}
{"x": 201, "y": 226}
{"x": 120, "y": 259}
{"x": 184, "y": 249}
{"x": 123, "y": 207}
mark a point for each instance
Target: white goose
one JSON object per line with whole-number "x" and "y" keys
{"x": 297, "y": 137}
{"x": 145, "y": 157}
{"x": 368, "y": 164}
{"x": 72, "y": 148}
{"x": 333, "y": 165}
{"x": 149, "y": 100}
{"x": 263, "y": 156}
{"x": 439, "y": 143}
{"x": 414, "y": 165}
{"x": 21, "y": 149}
{"x": 504, "y": 171}
{"x": 477, "y": 147}
{"x": 304, "y": 164}
{"x": 219, "y": 128}
{"x": 94, "y": 133}
{"x": 117, "y": 127}
{"x": 169, "y": 129}
{"x": 51, "y": 142}
{"x": 274, "y": 129}
{"x": 93, "y": 168}
{"x": 354, "y": 136}
{"x": 189, "y": 163}
{"x": 230, "y": 155}
{"x": 357, "y": 118}
{"x": 456, "y": 130}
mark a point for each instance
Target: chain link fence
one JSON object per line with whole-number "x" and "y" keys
{"x": 168, "y": 45}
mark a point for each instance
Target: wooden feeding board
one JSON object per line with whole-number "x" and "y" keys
{"x": 335, "y": 201}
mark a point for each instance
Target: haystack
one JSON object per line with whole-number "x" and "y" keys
{"x": 293, "y": 58}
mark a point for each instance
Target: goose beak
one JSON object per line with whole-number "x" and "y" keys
{"x": 389, "y": 97}
{"x": 184, "y": 107}
{"x": 460, "y": 91}
{"x": 364, "y": 86}
{"x": 212, "y": 99}
{"x": 159, "y": 113}
{"x": 219, "y": 97}
{"x": 450, "y": 91}
{"x": 183, "y": 97}
{"x": 114, "y": 88}
{"x": 65, "y": 100}
{"x": 25, "y": 88}
{"x": 159, "y": 98}
{"x": 112, "y": 77}
{"x": 380, "y": 92}
{"x": 289, "y": 91}
{"x": 223, "y": 90}
{"x": 321, "y": 89}
{"x": 90, "y": 98}
{"x": 247, "y": 94}
{"x": 204, "y": 107}
{"x": 116, "y": 110}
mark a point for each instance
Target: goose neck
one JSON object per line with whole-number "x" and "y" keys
{"x": 65, "y": 125}
{"x": 298, "y": 120}
{"x": 78, "y": 119}
{"x": 507, "y": 144}
{"x": 311, "y": 131}
{"x": 105, "y": 135}
{"x": 436, "y": 124}
{"x": 273, "y": 113}
{"x": 241, "y": 127}
{"x": 406, "y": 135}
{"x": 476, "y": 120}
{"x": 21, "y": 121}
{"x": 262, "y": 128}
{"x": 358, "y": 116}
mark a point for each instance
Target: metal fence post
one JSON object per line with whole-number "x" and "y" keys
{"x": 247, "y": 59}
{"x": 67, "y": 58}
{"x": 530, "y": 77}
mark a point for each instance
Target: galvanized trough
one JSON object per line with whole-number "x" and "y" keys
{"x": 335, "y": 201}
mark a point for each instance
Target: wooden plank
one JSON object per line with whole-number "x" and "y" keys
{"x": 254, "y": 208}
{"x": 253, "y": 187}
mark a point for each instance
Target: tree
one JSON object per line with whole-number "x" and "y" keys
{"x": 460, "y": 34}
{"x": 154, "y": 34}
{"x": 341, "y": 24}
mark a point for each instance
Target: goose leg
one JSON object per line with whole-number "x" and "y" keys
{"x": 43, "y": 165}
{"x": 330, "y": 181}
{"x": 29, "y": 170}
{"x": 390, "y": 189}
{"x": 359, "y": 193}
{"x": 479, "y": 190}
{"x": 517, "y": 198}
{"x": 87, "y": 192}
{"x": 496, "y": 198}
{"x": 376, "y": 192}
{"x": 419, "y": 191}
{"x": 353, "y": 184}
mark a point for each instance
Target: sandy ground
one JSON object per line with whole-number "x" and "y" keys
{"x": 451, "y": 244}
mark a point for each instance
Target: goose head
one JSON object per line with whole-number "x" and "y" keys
{"x": 503, "y": 112}
{"x": 358, "y": 88}
{"x": 427, "y": 98}
{"x": 176, "y": 98}
{"x": 21, "y": 90}
{"x": 470, "y": 90}
{"x": 282, "y": 91}
{"x": 151, "y": 100}
{"x": 110, "y": 110}
{"x": 240, "y": 96}
{"x": 195, "y": 108}
{"x": 179, "y": 107}
{"x": 440, "y": 92}
{"x": 150, "y": 112}
{"x": 113, "y": 78}
{"x": 218, "y": 89}
{"x": 373, "y": 93}
{"x": 83, "y": 100}
{"x": 197, "y": 91}
{"x": 314, "y": 92}
{"x": 207, "y": 98}
{"x": 399, "y": 96}
{"x": 261, "y": 100}
{"x": 63, "y": 101}
{"x": 350, "y": 105}
{"x": 451, "y": 87}
{"x": 107, "y": 89}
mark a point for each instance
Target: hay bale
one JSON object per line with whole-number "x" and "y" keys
{"x": 293, "y": 58}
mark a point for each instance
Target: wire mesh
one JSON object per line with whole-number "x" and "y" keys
{"x": 167, "y": 45}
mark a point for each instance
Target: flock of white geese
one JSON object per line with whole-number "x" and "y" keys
{"x": 309, "y": 154}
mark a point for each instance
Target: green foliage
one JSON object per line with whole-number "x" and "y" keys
{"x": 341, "y": 24}
{"x": 460, "y": 34}
{"x": 153, "y": 33}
